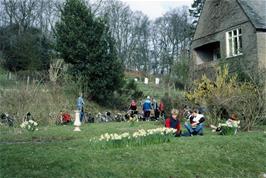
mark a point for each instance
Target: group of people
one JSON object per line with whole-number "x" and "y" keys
{"x": 195, "y": 119}
{"x": 195, "y": 123}
{"x": 150, "y": 108}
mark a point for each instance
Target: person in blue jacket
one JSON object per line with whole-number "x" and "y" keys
{"x": 147, "y": 107}
{"x": 80, "y": 106}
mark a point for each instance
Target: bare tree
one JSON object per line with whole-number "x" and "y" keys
{"x": 141, "y": 44}
{"x": 172, "y": 34}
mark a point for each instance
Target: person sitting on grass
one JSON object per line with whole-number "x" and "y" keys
{"x": 194, "y": 125}
{"x": 174, "y": 122}
{"x": 66, "y": 118}
{"x": 63, "y": 118}
{"x": 232, "y": 122}
{"x": 28, "y": 117}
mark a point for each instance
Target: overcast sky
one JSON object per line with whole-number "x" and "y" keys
{"x": 156, "y": 8}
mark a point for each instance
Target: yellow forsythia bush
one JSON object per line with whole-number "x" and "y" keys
{"x": 225, "y": 92}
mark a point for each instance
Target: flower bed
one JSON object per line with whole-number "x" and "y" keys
{"x": 140, "y": 137}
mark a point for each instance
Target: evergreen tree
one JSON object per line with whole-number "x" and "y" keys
{"x": 196, "y": 9}
{"x": 105, "y": 71}
{"x": 25, "y": 50}
{"x": 85, "y": 42}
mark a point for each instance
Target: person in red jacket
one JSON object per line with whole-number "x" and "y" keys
{"x": 174, "y": 122}
{"x": 161, "y": 109}
{"x": 133, "y": 105}
{"x": 64, "y": 118}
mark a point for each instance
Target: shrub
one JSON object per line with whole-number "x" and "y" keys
{"x": 225, "y": 93}
{"x": 24, "y": 50}
{"x": 43, "y": 101}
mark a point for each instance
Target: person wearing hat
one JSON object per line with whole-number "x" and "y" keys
{"x": 174, "y": 122}
{"x": 147, "y": 108}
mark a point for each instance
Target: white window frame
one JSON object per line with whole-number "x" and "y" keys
{"x": 233, "y": 42}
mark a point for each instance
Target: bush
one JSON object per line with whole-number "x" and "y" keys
{"x": 26, "y": 50}
{"x": 225, "y": 93}
{"x": 43, "y": 101}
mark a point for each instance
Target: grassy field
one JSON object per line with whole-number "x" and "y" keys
{"x": 157, "y": 91}
{"x": 57, "y": 151}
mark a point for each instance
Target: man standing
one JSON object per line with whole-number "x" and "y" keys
{"x": 147, "y": 108}
{"x": 80, "y": 106}
{"x": 155, "y": 108}
{"x": 161, "y": 109}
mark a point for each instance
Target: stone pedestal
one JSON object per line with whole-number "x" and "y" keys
{"x": 77, "y": 122}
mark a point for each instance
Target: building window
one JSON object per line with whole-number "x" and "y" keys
{"x": 234, "y": 43}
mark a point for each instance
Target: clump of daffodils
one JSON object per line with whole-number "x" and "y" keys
{"x": 138, "y": 134}
{"x": 107, "y": 136}
{"x": 30, "y": 125}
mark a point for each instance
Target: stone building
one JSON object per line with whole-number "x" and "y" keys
{"x": 231, "y": 31}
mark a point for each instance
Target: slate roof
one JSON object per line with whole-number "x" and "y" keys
{"x": 256, "y": 12}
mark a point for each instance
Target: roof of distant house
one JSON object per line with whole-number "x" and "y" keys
{"x": 256, "y": 12}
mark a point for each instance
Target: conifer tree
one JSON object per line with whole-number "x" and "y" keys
{"x": 85, "y": 42}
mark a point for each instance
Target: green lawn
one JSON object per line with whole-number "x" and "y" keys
{"x": 157, "y": 91}
{"x": 59, "y": 152}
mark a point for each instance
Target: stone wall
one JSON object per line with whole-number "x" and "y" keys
{"x": 261, "y": 43}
